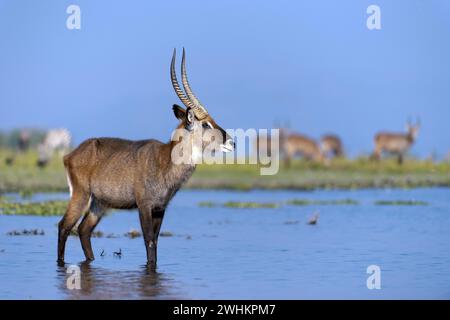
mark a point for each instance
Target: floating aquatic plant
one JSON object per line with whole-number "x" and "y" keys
{"x": 273, "y": 205}
{"x": 400, "y": 203}
{"x": 133, "y": 233}
{"x": 207, "y": 204}
{"x": 250, "y": 204}
{"x": 26, "y": 232}
{"x": 306, "y": 202}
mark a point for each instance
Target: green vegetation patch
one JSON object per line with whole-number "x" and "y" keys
{"x": 400, "y": 203}
{"x": 133, "y": 234}
{"x": 240, "y": 204}
{"x": 274, "y": 205}
{"x": 306, "y": 202}
{"x": 47, "y": 208}
{"x": 250, "y": 204}
{"x": 208, "y": 204}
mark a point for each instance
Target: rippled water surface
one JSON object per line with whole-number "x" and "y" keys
{"x": 246, "y": 253}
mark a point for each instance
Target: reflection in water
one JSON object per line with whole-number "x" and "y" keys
{"x": 100, "y": 283}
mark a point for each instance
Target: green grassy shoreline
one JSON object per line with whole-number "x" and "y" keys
{"x": 24, "y": 176}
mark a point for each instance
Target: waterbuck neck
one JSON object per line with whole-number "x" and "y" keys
{"x": 175, "y": 174}
{"x": 410, "y": 137}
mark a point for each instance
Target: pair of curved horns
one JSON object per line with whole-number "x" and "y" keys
{"x": 188, "y": 99}
{"x": 409, "y": 123}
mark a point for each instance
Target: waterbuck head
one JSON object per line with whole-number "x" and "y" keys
{"x": 413, "y": 129}
{"x": 195, "y": 118}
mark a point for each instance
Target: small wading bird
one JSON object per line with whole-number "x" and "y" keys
{"x": 313, "y": 220}
{"x": 118, "y": 253}
{"x": 105, "y": 173}
{"x": 396, "y": 143}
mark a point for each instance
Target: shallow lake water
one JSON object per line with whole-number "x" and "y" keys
{"x": 225, "y": 253}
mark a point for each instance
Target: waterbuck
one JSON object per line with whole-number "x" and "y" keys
{"x": 106, "y": 173}
{"x": 396, "y": 143}
{"x": 331, "y": 146}
{"x": 297, "y": 144}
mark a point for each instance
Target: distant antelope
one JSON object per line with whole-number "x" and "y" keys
{"x": 396, "y": 143}
{"x": 331, "y": 145}
{"x": 262, "y": 144}
{"x": 105, "y": 173}
{"x": 24, "y": 140}
{"x": 297, "y": 144}
{"x": 56, "y": 140}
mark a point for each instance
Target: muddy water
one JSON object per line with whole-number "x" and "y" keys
{"x": 246, "y": 253}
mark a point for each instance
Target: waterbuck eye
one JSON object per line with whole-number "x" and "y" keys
{"x": 207, "y": 125}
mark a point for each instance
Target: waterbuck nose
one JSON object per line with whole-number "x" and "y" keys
{"x": 231, "y": 143}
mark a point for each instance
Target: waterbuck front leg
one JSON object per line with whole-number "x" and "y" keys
{"x": 157, "y": 216}
{"x": 87, "y": 226}
{"x": 151, "y": 220}
{"x": 77, "y": 205}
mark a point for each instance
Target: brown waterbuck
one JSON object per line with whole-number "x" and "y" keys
{"x": 298, "y": 144}
{"x": 396, "y": 143}
{"x": 105, "y": 173}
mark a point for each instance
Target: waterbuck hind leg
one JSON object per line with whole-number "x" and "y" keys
{"x": 400, "y": 159}
{"x": 287, "y": 160}
{"x": 87, "y": 226}
{"x": 77, "y": 205}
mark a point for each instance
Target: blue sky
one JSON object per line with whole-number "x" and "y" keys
{"x": 313, "y": 64}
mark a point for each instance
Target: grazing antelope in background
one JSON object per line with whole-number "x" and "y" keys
{"x": 262, "y": 144}
{"x": 331, "y": 146}
{"x": 55, "y": 140}
{"x": 105, "y": 173}
{"x": 396, "y": 143}
{"x": 24, "y": 140}
{"x": 297, "y": 144}
{"x": 23, "y": 143}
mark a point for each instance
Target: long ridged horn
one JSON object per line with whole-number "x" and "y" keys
{"x": 199, "y": 110}
{"x": 176, "y": 86}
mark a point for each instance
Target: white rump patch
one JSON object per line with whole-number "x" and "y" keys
{"x": 69, "y": 183}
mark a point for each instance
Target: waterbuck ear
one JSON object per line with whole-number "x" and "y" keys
{"x": 190, "y": 115}
{"x": 179, "y": 112}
